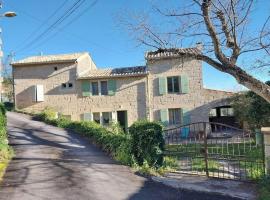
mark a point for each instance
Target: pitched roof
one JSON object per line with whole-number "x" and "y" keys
{"x": 60, "y": 58}
{"x": 116, "y": 72}
{"x": 170, "y": 53}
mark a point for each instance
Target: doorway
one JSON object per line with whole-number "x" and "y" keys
{"x": 122, "y": 119}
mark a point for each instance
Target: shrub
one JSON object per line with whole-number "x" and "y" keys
{"x": 6, "y": 151}
{"x": 3, "y": 122}
{"x": 112, "y": 140}
{"x": 147, "y": 143}
{"x": 264, "y": 188}
{"x": 9, "y": 106}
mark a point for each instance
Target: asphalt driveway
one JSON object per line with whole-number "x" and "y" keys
{"x": 52, "y": 163}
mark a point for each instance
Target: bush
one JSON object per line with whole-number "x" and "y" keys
{"x": 3, "y": 122}
{"x": 264, "y": 188}
{"x": 147, "y": 143}
{"x": 111, "y": 140}
{"x": 9, "y": 106}
{"x": 6, "y": 151}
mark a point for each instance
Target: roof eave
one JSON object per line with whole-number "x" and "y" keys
{"x": 112, "y": 76}
{"x": 48, "y": 62}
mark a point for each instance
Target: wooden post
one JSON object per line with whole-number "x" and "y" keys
{"x": 266, "y": 139}
{"x": 205, "y": 150}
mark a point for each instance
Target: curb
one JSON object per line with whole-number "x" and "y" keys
{"x": 192, "y": 187}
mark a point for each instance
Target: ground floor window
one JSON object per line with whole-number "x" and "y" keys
{"x": 106, "y": 118}
{"x": 174, "y": 116}
{"x": 96, "y": 117}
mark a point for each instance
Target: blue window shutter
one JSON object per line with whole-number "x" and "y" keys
{"x": 164, "y": 116}
{"x": 184, "y": 84}
{"x": 162, "y": 84}
{"x": 111, "y": 87}
{"x": 185, "y": 116}
{"x": 87, "y": 117}
{"x": 86, "y": 88}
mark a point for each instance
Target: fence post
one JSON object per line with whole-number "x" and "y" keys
{"x": 205, "y": 150}
{"x": 266, "y": 139}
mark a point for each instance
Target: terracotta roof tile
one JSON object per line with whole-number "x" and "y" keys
{"x": 49, "y": 59}
{"x": 170, "y": 53}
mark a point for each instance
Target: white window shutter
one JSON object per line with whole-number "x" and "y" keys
{"x": 114, "y": 116}
{"x": 35, "y": 93}
{"x": 39, "y": 93}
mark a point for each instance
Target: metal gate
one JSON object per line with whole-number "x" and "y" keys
{"x": 215, "y": 150}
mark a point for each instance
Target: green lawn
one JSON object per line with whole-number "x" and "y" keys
{"x": 248, "y": 158}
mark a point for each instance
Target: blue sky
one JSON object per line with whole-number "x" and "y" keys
{"x": 96, "y": 31}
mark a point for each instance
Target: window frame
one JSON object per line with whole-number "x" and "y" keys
{"x": 227, "y": 113}
{"x": 173, "y": 84}
{"x": 98, "y": 91}
{"x": 107, "y": 89}
{"x": 67, "y": 88}
{"x": 110, "y": 118}
{"x": 174, "y": 112}
{"x": 99, "y": 117}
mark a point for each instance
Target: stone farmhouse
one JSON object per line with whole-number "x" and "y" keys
{"x": 169, "y": 88}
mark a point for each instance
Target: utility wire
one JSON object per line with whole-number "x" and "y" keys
{"x": 60, "y": 20}
{"x": 79, "y": 38}
{"x": 41, "y": 25}
{"x": 66, "y": 25}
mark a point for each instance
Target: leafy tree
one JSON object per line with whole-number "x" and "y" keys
{"x": 252, "y": 108}
{"x": 8, "y": 87}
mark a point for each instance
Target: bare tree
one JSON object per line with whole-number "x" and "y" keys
{"x": 222, "y": 25}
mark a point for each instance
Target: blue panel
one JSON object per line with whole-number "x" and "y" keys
{"x": 184, "y": 132}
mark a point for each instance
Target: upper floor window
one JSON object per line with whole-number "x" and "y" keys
{"x": 104, "y": 87}
{"x": 174, "y": 116}
{"x": 94, "y": 86}
{"x": 173, "y": 84}
{"x": 68, "y": 85}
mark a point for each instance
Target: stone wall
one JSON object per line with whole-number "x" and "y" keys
{"x": 198, "y": 100}
{"x": 139, "y": 96}
{"x": 130, "y": 94}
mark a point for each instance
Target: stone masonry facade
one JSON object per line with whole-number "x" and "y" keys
{"x": 136, "y": 90}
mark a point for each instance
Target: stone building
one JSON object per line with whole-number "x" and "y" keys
{"x": 168, "y": 88}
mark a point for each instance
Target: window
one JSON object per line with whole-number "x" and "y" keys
{"x": 70, "y": 85}
{"x": 96, "y": 117}
{"x": 213, "y": 112}
{"x": 174, "y": 116}
{"x": 55, "y": 68}
{"x": 64, "y": 85}
{"x": 173, "y": 84}
{"x": 104, "y": 87}
{"x": 106, "y": 118}
{"x": 94, "y": 86}
{"x": 226, "y": 112}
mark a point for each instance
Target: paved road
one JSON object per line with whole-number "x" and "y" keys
{"x": 51, "y": 163}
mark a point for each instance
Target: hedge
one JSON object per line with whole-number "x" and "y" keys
{"x": 6, "y": 151}
{"x": 145, "y": 142}
{"x": 115, "y": 143}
